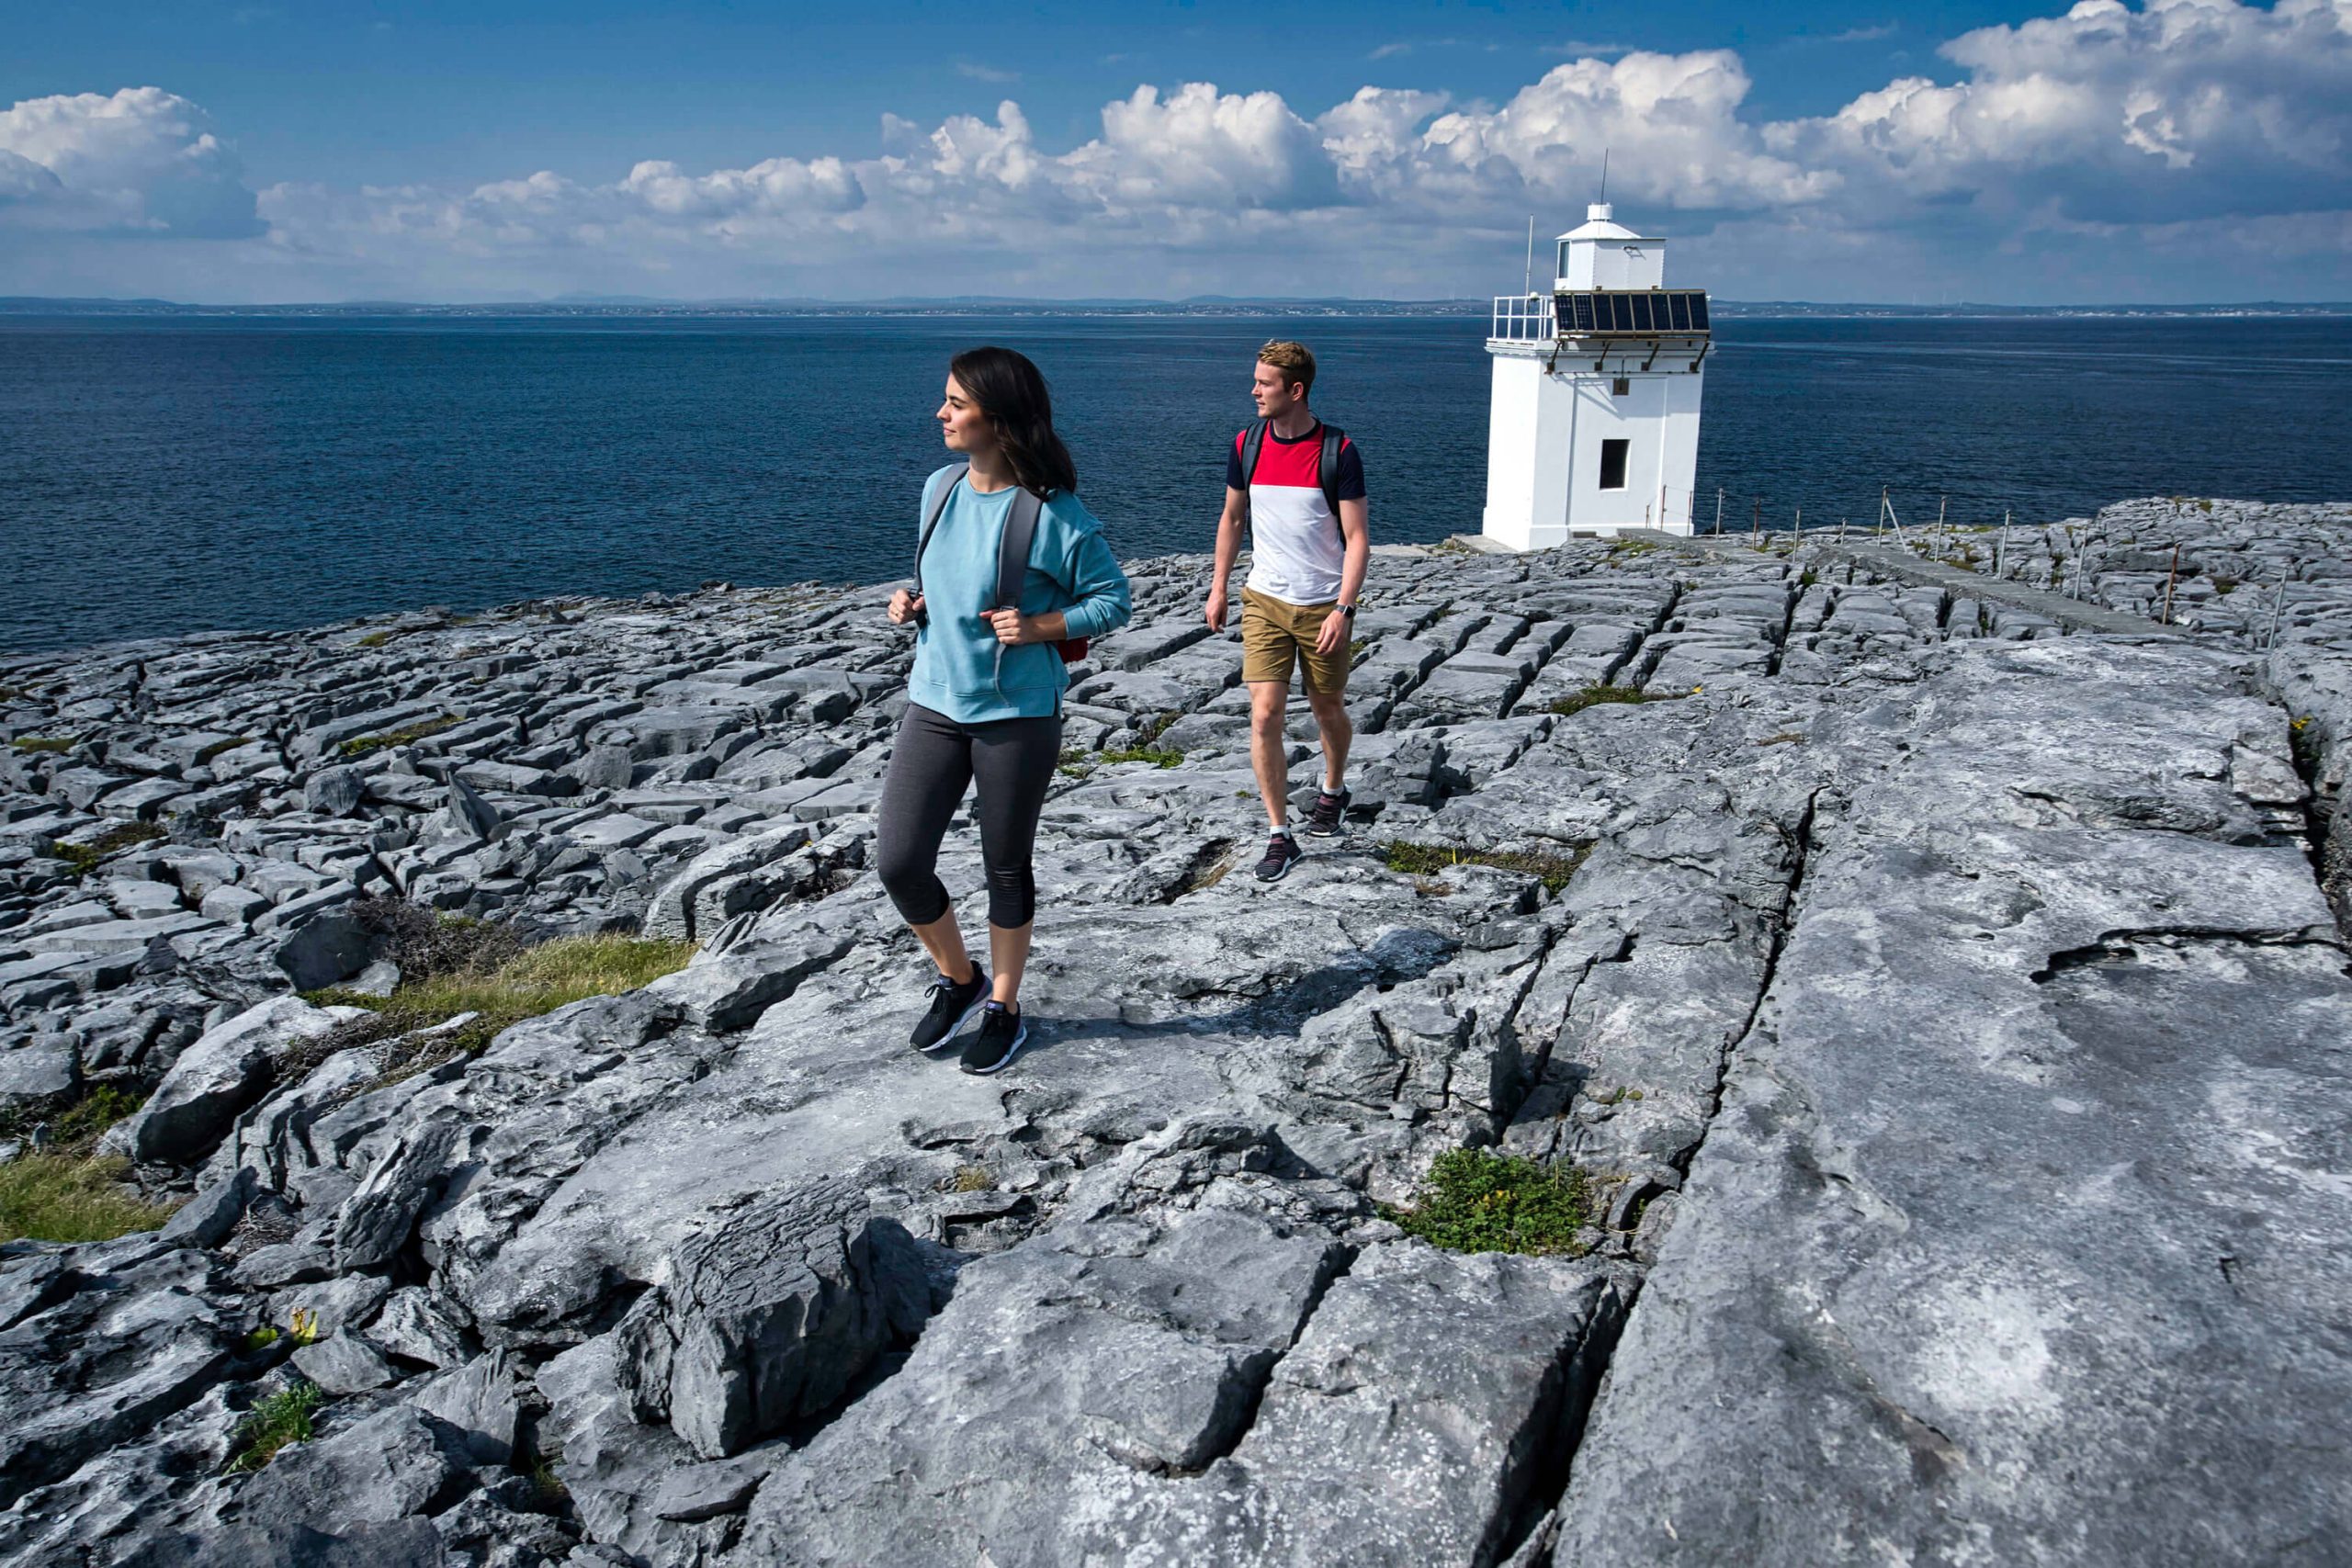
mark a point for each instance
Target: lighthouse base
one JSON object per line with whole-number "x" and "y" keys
{"x": 1589, "y": 451}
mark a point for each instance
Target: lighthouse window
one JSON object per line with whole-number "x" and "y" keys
{"x": 1620, "y": 387}
{"x": 1612, "y": 464}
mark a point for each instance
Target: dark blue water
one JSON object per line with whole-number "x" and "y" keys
{"x": 171, "y": 475}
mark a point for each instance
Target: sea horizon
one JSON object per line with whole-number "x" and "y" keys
{"x": 242, "y": 469}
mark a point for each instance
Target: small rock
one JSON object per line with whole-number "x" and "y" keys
{"x": 344, "y": 1364}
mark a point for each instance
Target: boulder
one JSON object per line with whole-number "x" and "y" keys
{"x": 333, "y": 792}
{"x": 322, "y": 950}
{"x": 219, "y": 1075}
{"x": 770, "y": 1316}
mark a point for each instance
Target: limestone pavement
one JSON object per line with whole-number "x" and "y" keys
{"x": 1948, "y": 1013}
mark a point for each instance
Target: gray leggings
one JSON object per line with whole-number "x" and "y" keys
{"x": 932, "y": 761}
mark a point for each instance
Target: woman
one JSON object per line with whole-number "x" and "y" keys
{"x": 984, "y": 703}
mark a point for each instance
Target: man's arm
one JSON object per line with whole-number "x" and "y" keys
{"x": 1355, "y": 527}
{"x": 1229, "y": 548}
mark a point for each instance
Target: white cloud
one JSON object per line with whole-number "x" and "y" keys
{"x": 1670, "y": 123}
{"x": 142, "y": 160}
{"x": 2186, "y": 107}
{"x": 2110, "y": 129}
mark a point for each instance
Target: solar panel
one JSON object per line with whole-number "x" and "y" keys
{"x": 1645, "y": 312}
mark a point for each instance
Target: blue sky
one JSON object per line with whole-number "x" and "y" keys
{"x": 2190, "y": 150}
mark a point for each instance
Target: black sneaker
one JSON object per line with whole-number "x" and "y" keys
{"x": 1282, "y": 853}
{"x": 1002, "y": 1034}
{"x": 951, "y": 1007}
{"x": 1323, "y": 822}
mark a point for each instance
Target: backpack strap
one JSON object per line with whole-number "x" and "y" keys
{"x": 1012, "y": 555}
{"x": 1253, "y": 441}
{"x": 931, "y": 523}
{"x": 1326, "y": 472}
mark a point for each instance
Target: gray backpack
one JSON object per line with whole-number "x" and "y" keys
{"x": 1012, "y": 555}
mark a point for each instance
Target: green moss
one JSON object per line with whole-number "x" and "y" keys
{"x": 1158, "y": 756}
{"x": 360, "y": 746}
{"x": 69, "y": 1197}
{"x": 1477, "y": 1201}
{"x": 1429, "y": 860}
{"x": 84, "y": 857}
{"x": 206, "y": 756}
{"x": 49, "y": 743}
{"x": 272, "y": 1424}
{"x": 1601, "y": 692}
{"x": 373, "y": 639}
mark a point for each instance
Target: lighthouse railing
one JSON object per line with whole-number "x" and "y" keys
{"x": 1523, "y": 317}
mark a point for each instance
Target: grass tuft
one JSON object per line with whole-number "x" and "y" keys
{"x": 971, "y": 1178}
{"x": 55, "y": 744}
{"x": 272, "y": 1424}
{"x": 360, "y": 746}
{"x": 1429, "y": 860}
{"x": 1477, "y": 1201}
{"x": 1601, "y": 692}
{"x": 52, "y": 1196}
{"x": 530, "y": 982}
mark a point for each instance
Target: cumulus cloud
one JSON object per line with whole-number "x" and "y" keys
{"x": 2106, "y": 126}
{"x": 142, "y": 160}
{"x": 1669, "y": 121}
{"x": 2111, "y": 114}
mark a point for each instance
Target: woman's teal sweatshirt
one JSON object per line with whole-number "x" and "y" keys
{"x": 960, "y": 668}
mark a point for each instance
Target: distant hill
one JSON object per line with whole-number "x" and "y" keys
{"x": 601, "y": 305}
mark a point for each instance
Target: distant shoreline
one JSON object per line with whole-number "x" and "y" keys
{"x": 1211, "y": 308}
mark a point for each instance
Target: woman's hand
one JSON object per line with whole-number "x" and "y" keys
{"x": 904, "y": 607}
{"x": 1013, "y": 629}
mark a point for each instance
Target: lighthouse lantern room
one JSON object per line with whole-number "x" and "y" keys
{"x": 1594, "y": 426}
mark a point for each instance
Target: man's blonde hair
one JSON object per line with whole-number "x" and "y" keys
{"x": 1292, "y": 359}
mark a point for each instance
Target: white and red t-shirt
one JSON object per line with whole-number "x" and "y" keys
{"x": 1296, "y": 547}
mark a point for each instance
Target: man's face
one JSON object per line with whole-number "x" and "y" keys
{"x": 1273, "y": 396}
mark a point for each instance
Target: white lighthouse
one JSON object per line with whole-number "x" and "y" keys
{"x": 1595, "y": 422}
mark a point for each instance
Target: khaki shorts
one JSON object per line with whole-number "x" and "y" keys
{"x": 1275, "y": 635}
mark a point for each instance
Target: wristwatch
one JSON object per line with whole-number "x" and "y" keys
{"x": 1347, "y": 610}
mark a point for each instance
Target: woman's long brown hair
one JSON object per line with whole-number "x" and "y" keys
{"x": 1013, "y": 394}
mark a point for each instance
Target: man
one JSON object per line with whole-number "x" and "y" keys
{"x": 1302, "y": 495}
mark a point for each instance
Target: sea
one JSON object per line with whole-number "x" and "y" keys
{"x": 169, "y": 474}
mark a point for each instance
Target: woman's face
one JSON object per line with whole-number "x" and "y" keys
{"x": 961, "y": 424}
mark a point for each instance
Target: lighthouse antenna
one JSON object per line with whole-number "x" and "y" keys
{"x": 1604, "y": 173}
{"x": 1527, "y": 278}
